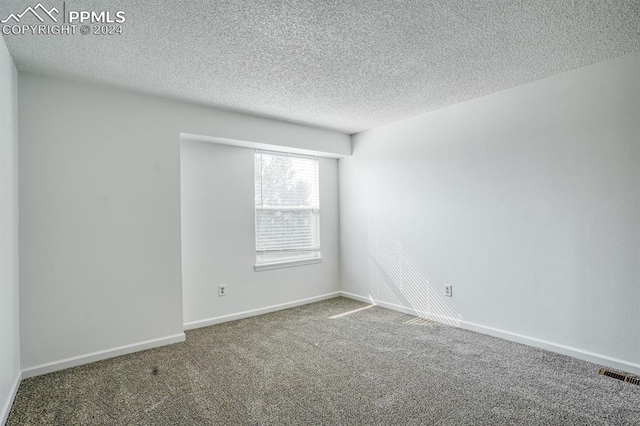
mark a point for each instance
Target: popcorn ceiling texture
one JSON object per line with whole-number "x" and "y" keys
{"x": 343, "y": 65}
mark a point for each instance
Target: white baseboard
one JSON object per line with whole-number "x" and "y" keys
{"x": 254, "y": 312}
{"x": 6, "y": 408}
{"x": 405, "y": 310}
{"x": 358, "y": 297}
{"x": 582, "y": 354}
{"x": 100, "y": 355}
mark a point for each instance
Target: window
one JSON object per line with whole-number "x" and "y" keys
{"x": 287, "y": 209}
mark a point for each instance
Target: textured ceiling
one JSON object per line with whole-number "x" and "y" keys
{"x": 344, "y": 65}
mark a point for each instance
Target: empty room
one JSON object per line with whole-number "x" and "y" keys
{"x": 241, "y": 212}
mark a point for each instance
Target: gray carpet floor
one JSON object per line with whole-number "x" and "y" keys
{"x": 299, "y": 366}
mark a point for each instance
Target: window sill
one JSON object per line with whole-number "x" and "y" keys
{"x": 286, "y": 264}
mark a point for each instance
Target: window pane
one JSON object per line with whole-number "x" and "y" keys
{"x": 286, "y": 230}
{"x": 287, "y": 207}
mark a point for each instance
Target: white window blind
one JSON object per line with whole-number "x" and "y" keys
{"x": 287, "y": 207}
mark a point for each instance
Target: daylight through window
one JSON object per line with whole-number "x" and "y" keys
{"x": 287, "y": 207}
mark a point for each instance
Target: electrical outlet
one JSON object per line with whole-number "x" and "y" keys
{"x": 448, "y": 291}
{"x": 222, "y": 290}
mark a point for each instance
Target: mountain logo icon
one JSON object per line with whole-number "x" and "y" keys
{"x": 34, "y": 11}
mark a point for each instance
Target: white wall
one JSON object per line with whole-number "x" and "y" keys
{"x": 527, "y": 201}
{"x": 100, "y": 258}
{"x": 218, "y": 237}
{"x": 9, "y": 303}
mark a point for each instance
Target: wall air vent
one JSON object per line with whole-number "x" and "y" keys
{"x": 628, "y": 378}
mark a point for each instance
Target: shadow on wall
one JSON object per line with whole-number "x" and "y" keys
{"x": 395, "y": 279}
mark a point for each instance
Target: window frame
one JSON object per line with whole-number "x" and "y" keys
{"x": 291, "y": 262}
